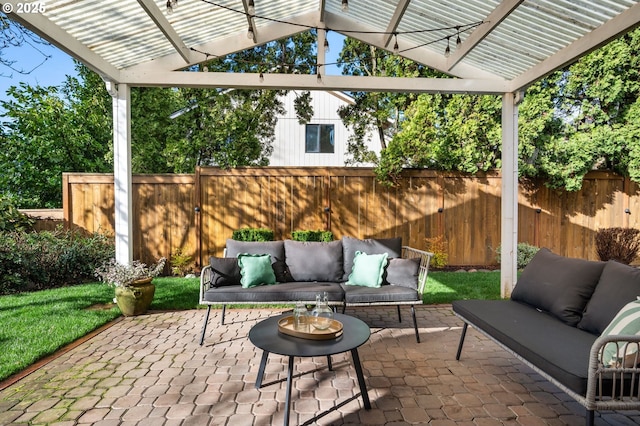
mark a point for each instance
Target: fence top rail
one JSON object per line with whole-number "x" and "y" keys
{"x": 162, "y": 178}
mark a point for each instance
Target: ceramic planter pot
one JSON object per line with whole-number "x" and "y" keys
{"x": 136, "y": 298}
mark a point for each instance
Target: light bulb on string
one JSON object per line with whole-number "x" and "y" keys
{"x": 396, "y": 47}
{"x": 447, "y": 51}
{"x": 261, "y": 77}
{"x": 169, "y": 7}
{"x": 326, "y": 46}
{"x": 250, "y": 32}
{"x": 458, "y": 41}
{"x": 251, "y": 8}
{"x": 345, "y": 6}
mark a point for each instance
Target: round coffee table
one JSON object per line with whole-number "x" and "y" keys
{"x": 265, "y": 336}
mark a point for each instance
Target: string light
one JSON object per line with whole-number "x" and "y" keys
{"x": 453, "y": 30}
{"x": 171, "y": 5}
{"x": 345, "y": 6}
{"x": 261, "y": 77}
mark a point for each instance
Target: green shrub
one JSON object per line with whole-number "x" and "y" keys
{"x": 10, "y": 217}
{"x": 621, "y": 244}
{"x": 318, "y": 236}
{"x": 438, "y": 246}
{"x": 525, "y": 254}
{"x": 253, "y": 234}
{"x": 181, "y": 262}
{"x": 41, "y": 260}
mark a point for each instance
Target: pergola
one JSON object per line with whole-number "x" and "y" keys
{"x": 490, "y": 46}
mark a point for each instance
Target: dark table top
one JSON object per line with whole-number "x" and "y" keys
{"x": 265, "y": 335}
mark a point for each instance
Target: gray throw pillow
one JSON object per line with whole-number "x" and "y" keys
{"x": 350, "y": 245}
{"x": 224, "y": 271}
{"x": 559, "y": 285}
{"x": 273, "y": 248}
{"x": 618, "y": 285}
{"x": 314, "y": 261}
{"x": 403, "y": 272}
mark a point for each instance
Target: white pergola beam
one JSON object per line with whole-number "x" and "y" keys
{"x": 494, "y": 19}
{"x": 231, "y": 44}
{"x": 45, "y": 28}
{"x": 395, "y": 20}
{"x": 165, "y": 28}
{"x": 621, "y": 24}
{"x": 310, "y": 82}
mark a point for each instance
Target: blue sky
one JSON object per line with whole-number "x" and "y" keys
{"x": 53, "y": 71}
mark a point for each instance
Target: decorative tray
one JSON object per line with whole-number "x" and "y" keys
{"x": 285, "y": 325}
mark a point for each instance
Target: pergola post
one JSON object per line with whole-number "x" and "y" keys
{"x": 122, "y": 171}
{"x": 509, "y": 228}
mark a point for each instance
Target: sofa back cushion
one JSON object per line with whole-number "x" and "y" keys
{"x": 224, "y": 271}
{"x": 273, "y": 248}
{"x": 403, "y": 272}
{"x": 618, "y": 285}
{"x": 314, "y": 261}
{"x": 350, "y": 245}
{"x": 559, "y": 285}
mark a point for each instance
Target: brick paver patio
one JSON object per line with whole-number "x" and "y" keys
{"x": 150, "y": 369}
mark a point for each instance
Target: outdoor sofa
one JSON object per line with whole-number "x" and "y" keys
{"x": 573, "y": 321}
{"x": 353, "y": 272}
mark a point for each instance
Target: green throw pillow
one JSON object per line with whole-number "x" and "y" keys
{"x": 626, "y": 322}
{"x": 367, "y": 269}
{"x": 255, "y": 270}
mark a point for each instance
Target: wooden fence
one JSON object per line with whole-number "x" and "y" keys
{"x": 198, "y": 212}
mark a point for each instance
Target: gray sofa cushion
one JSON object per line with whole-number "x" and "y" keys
{"x": 350, "y": 245}
{"x": 224, "y": 271}
{"x": 403, "y": 272}
{"x": 559, "y": 285}
{"x": 314, "y": 261}
{"x": 286, "y": 292}
{"x": 618, "y": 285}
{"x": 273, "y": 248}
{"x": 556, "y": 348}
{"x": 383, "y": 294}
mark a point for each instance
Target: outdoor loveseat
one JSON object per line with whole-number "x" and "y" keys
{"x": 353, "y": 272}
{"x": 573, "y": 321}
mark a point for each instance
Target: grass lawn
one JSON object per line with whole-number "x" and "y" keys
{"x": 37, "y": 324}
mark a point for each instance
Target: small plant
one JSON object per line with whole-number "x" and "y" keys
{"x": 253, "y": 234}
{"x": 620, "y": 244}
{"x": 439, "y": 247}
{"x": 525, "y": 253}
{"x": 180, "y": 262}
{"x": 120, "y": 275}
{"x": 318, "y": 236}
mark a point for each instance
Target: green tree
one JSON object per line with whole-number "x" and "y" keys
{"x": 372, "y": 112}
{"x": 233, "y": 128}
{"x": 41, "y": 138}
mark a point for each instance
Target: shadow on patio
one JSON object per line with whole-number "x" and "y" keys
{"x": 151, "y": 370}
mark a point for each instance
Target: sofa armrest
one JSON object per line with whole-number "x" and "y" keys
{"x": 622, "y": 378}
{"x": 425, "y": 259}
{"x": 205, "y": 281}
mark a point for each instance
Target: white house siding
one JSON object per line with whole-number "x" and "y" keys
{"x": 289, "y": 144}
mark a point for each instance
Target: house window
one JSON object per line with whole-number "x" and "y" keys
{"x": 319, "y": 138}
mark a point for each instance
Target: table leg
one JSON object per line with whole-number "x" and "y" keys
{"x": 363, "y": 386}
{"x": 329, "y": 364}
{"x": 287, "y": 404}
{"x": 263, "y": 364}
